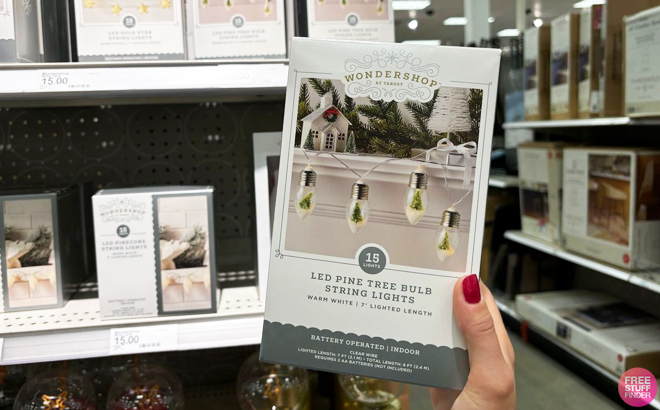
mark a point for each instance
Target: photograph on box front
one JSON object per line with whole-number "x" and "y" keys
{"x": 130, "y": 13}
{"x": 341, "y": 10}
{"x": 237, "y": 12}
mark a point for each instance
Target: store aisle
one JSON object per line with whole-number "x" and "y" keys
{"x": 542, "y": 384}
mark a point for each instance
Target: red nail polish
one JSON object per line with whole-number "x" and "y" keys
{"x": 471, "y": 290}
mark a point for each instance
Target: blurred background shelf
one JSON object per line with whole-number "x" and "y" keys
{"x": 76, "y": 331}
{"x": 80, "y": 84}
{"x": 587, "y": 122}
{"x": 503, "y": 181}
{"x": 647, "y": 280}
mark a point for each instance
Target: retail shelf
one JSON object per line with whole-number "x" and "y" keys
{"x": 157, "y": 82}
{"x": 564, "y": 354}
{"x": 587, "y": 122}
{"x": 647, "y": 280}
{"x": 503, "y": 181}
{"x": 76, "y": 331}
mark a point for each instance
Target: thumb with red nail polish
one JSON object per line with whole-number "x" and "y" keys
{"x": 491, "y": 383}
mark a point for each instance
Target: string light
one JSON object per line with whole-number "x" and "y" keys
{"x": 357, "y": 211}
{"x": 416, "y": 200}
{"x": 306, "y": 195}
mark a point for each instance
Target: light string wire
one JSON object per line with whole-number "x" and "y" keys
{"x": 427, "y": 159}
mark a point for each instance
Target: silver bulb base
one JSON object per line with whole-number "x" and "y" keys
{"x": 451, "y": 218}
{"x": 307, "y": 177}
{"x": 418, "y": 180}
{"x": 360, "y": 191}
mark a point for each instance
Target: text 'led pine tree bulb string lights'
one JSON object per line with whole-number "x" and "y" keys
{"x": 415, "y": 204}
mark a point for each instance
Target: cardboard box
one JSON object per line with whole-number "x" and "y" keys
{"x": 539, "y": 176}
{"x": 41, "y": 247}
{"x": 611, "y": 96}
{"x": 642, "y": 75}
{"x": 19, "y": 32}
{"x": 155, "y": 252}
{"x": 366, "y": 260}
{"x": 564, "y": 66}
{"x": 364, "y": 20}
{"x": 611, "y": 205}
{"x": 602, "y": 328}
{"x": 589, "y": 61}
{"x": 244, "y": 29}
{"x": 132, "y": 30}
{"x": 536, "y": 73}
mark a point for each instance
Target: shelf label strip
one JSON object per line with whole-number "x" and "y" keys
{"x": 145, "y": 339}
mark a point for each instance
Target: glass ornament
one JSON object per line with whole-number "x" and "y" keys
{"x": 357, "y": 210}
{"x": 447, "y": 237}
{"x": 61, "y": 389}
{"x": 415, "y": 201}
{"x": 306, "y": 195}
{"x": 146, "y": 386}
{"x": 372, "y": 394}
{"x": 262, "y": 386}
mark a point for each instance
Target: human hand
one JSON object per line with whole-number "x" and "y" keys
{"x": 491, "y": 384}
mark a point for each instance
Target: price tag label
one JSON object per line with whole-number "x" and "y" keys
{"x": 64, "y": 80}
{"x": 144, "y": 339}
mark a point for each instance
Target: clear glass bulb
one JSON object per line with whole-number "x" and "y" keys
{"x": 415, "y": 203}
{"x": 305, "y": 201}
{"x": 371, "y": 393}
{"x": 446, "y": 242}
{"x": 357, "y": 214}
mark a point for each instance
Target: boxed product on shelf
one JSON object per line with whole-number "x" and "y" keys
{"x": 642, "y": 75}
{"x": 564, "y": 66}
{"x": 41, "y": 246}
{"x": 33, "y": 32}
{"x": 155, "y": 252}
{"x": 589, "y": 60}
{"x": 611, "y": 205}
{"x": 387, "y": 248}
{"x": 605, "y": 330}
{"x": 239, "y": 28}
{"x": 131, "y": 30}
{"x": 539, "y": 176}
{"x": 536, "y": 73}
{"x": 610, "y": 100}
{"x": 364, "y": 20}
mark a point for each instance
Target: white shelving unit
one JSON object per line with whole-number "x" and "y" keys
{"x": 76, "y": 331}
{"x": 503, "y": 181}
{"x": 508, "y": 307}
{"x": 587, "y": 122}
{"x": 109, "y": 83}
{"x": 647, "y": 280}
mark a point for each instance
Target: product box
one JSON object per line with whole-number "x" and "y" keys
{"x": 363, "y": 20}
{"x": 155, "y": 252}
{"x": 605, "y": 330}
{"x": 611, "y": 205}
{"x": 368, "y": 237}
{"x": 589, "y": 61}
{"x": 132, "y": 30}
{"x": 19, "y": 32}
{"x": 539, "y": 175}
{"x": 611, "y": 72}
{"x": 42, "y": 248}
{"x": 536, "y": 73}
{"x": 642, "y": 76}
{"x": 564, "y": 66}
{"x": 236, "y": 28}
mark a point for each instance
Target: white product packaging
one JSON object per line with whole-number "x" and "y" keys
{"x": 244, "y": 28}
{"x": 536, "y": 73}
{"x": 563, "y": 66}
{"x": 363, "y": 20}
{"x": 598, "y": 326}
{"x": 362, "y": 268}
{"x": 155, "y": 252}
{"x": 132, "y": 30}
{"x": 610, "y": 208}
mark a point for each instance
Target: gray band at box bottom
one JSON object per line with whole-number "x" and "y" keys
{"x": 395, "y": 360}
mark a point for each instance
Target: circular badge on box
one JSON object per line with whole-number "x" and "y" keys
{"x": 123, "y": 231}
{"x": 352, "y": 20}
{"x": 638, "y": 387}
{"x": 238, "y": 21}
{"x": 372, "y": 258}
{"x": 129, "y": 21}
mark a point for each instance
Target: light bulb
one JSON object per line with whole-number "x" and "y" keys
{"x": 448, "y": 238}
{"x": 306, "y": 195}
{"x": 357, "y": 211}
{"x": 416, "y": 200}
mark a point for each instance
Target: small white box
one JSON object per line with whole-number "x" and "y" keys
{"x": 642, "y": 63}
{"x": 563, "y": 66}
{"x": 149, "y": 261}
{"x": 131, "y": 30}
{"x": 589, "y": 61}
{"x": 236, "y": 28}
{"x": 602, "y": 328}
{"x": 536, "y": 73}
{"x": 539, "y": 174}
{"x": 611, "y": 205}
{"x": 363, "y": 20}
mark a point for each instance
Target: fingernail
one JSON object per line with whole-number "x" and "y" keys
{"x": 471, "y": 290}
